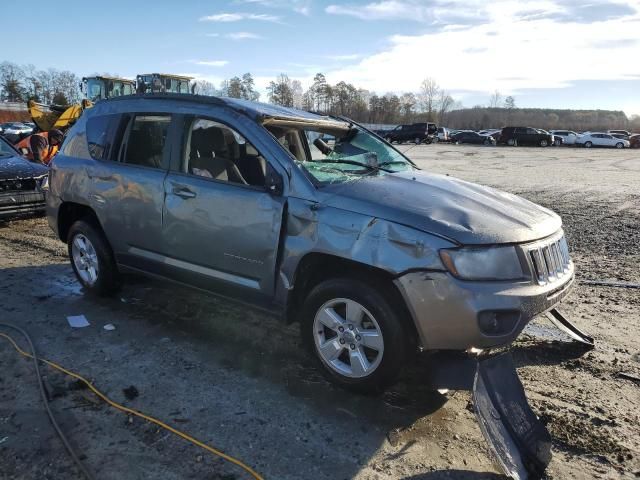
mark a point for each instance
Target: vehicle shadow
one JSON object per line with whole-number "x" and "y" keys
{"x": 210, "y": 334}
{"x": 457, "y": 475}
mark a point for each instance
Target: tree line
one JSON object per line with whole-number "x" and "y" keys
{"x": 429, "y": 103}
{"x": 20, "y": 83}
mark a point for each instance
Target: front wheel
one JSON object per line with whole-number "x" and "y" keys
{"x": 487, "y": 142}
{"x": 92, "y": 259}
{"x": 619, "y": 145}
{"x": 588, "y": 145}
{"x": 354, "y": 334}
{"x": 557, "y": 143}
{"x": 543, "y": 143}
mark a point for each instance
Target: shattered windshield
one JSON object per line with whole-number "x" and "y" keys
{"x": 340, "y": 156}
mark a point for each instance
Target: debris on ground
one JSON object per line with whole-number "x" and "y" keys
{"x": 78, "y": 321}
{"x": 130, "y": 392}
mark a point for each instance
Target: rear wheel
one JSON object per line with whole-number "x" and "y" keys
{"x": 92, "y": 259}
{"x": 588, "y": 145}
{"x": 512, "y": 142}
{"x": 487, "y": 142}
{"x": 356, "y": 337}
{"x": 619, "y": 145}
{"x": 417, "y": 141}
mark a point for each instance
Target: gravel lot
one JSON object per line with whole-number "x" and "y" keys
{"x": 238, "y": 379}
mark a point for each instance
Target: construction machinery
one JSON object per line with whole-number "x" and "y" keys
{"x": 163, "y": 83}
{"x": 94, "y": 89}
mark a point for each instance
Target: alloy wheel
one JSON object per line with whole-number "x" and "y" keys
{"x": 85, "y": 259}
{"x": 348, "y": 338}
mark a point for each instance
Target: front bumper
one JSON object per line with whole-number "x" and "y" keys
{"x": 19, "y": 204}
{"x": 446, "y": 310}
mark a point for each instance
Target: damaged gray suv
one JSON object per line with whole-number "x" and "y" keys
{"x": 311, "y": 217}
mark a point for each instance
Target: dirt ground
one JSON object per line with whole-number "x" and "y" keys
{"x": 238, "y": 380}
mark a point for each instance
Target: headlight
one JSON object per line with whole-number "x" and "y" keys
{"x": 492, "y": 263}
{"x": 43, "y": 182}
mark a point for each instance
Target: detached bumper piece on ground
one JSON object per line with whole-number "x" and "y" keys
{"x": 569, "y": 328}
{"x": 517, "y": 438}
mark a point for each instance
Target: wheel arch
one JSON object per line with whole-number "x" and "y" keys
{"x": 316, "y": 267}
{"x": 69, "y": 213}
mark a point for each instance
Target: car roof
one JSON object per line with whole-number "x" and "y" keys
{"x": 260, "y": 112}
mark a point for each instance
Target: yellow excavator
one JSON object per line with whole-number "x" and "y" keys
{"x": 96, "y": 88}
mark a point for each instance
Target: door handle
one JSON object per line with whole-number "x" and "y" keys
{"x": 183, "y": 192}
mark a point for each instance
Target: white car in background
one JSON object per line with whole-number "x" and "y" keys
{"x": 569, "y": 137}
{"x": 16, "y": 128}
{"x": 443, "y": 134}
{"x": 598, "y": 139}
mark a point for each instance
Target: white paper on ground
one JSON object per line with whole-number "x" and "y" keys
{"x": 109, "y": 326}
{"x": 78, "y": 321}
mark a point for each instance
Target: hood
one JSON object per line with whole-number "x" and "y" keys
{"x": 17, "y": 167}
{"x": 461, "y": 211}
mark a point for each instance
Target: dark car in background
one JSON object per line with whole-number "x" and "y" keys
{"x": 22, "y": 184}
{"x": 473, "y": 138}
{"x": 634, "y": 141}
{"x": 515, "y": 136}
{"x": 416, "y": 133}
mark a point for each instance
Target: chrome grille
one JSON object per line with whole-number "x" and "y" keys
{"x": 550, "y": 260}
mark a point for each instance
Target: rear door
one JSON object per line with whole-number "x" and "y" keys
{"x": 128, "y": 180}
{"x": 221, "y": 226}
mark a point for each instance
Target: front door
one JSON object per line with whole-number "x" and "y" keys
{"x": 221, "y": 226}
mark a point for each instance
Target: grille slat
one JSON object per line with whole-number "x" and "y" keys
{"x": 551, "y": 261}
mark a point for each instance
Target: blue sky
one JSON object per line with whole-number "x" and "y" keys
{"x": 546, "y": 53}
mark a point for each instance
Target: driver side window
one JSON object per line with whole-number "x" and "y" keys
{"x": 214, "y": 150}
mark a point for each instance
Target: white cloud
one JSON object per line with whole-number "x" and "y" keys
{"x": 236, "y": 17}
{"x": 210, "y": 63}
{"x": 384, "y": 10}
{"x": 503, "y": 52}
{"x": 243, "y": 36}
{"x": 302, "y": 7}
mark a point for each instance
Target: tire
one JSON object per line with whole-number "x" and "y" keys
{"x": 458, "y": 142}
{"x": 557, "y": 143}
{"x": 389, "y": 140}
{"x": 588, "y": 145}
{"x": 417, "y": 141}
{"x": 619, "y": 145}
{"x": 512, "y": 142}
{"x": 544, "y": 143}
{"x": 92, "y": 259}
{"x": 346, "y": 361}
{"x": 486, "y": 142}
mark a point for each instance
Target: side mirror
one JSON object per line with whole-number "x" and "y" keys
{"x": 273, "y": 181}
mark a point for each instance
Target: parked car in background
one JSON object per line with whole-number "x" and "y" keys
{"x": 515, "y": 136}
{"x": 473, "y": 138}
{"x": 599, "y": 139}
{"x": 556, "y": 140}
{"x": 373, "y": 256}
{"x": 22, "y": 184}
{"x": 624, "y": 133}
{"x": 16, "y": 128}
{"x": 443, "y": 135}
{"x": 569, "y": 137}
{"x": 416, "y": 133}
{"x": 634, "y": 141}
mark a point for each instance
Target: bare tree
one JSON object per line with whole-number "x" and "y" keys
{"x": 510, "y": 103}
{"x": 296, "y": 88}
{"x": 445, "y": 103}
{"x": 429, "y": 91}
{"x": 204, "y": 87}
{"x": 281, "y": 91}
{"x": 496, "y": 100}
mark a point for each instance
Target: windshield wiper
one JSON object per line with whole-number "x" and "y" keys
{"x": 371, "y": 168}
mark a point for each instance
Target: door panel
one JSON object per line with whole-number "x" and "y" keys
{"x": 225, "y": 232}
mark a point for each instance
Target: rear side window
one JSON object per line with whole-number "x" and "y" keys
{"x": 102, "y": 136}
{"x": 145, "y": 141}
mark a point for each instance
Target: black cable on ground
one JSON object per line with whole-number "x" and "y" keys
{"x": 56, "y": 427}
